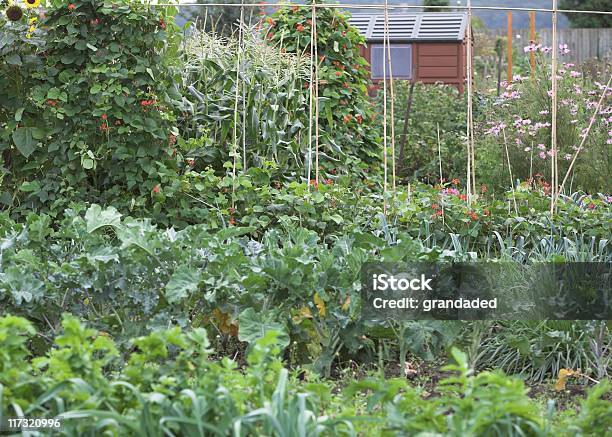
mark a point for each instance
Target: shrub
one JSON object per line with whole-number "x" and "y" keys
{"x": 95, "y": 118}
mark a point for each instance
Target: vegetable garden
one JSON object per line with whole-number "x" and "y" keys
{"x": 186, "y": 213}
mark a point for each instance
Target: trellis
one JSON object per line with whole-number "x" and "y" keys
{"x": 470, "y": 149}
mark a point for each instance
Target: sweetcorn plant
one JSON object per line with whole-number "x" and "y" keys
{"x": 242, "y": 96}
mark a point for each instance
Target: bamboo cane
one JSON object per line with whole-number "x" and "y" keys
{"x": 553, "y": 171}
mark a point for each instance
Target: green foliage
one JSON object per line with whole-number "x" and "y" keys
{"x": 296, "y": 272}
{"x": 429, "y": 3}
{"x": 167, "y": 385}
{"x": 484, "y": 404}
{"x": 594, "y": 415}
{"x": 538, "y": 350}
{"x": 587, "y": 20}
{"x": 222, "y": 20}
{"x": 120, "y": 300}
{"x": 89, "y": 112}
{"x": 345, "y": 116}
{"x": 259, "y": 115}
{"x": 435, "y": 109}
{"x": 520, "y": 120}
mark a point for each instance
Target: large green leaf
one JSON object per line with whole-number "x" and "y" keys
{"x": 24, "y": 140}
{"x": 254, "y": 325}
{"x": 184, "y": 280}
{"x": 23, "y": 287}
{"x": 96, "y": 217}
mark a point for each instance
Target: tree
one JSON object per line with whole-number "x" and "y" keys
{"x": 428, "y": 3}
{"x": 221, "y": 19}
{"x": 587, "y": 20}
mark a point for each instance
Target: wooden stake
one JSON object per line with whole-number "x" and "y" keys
{"x": 404, "y": 138}
{"x": 237, "y": 94}
{"x": 553, "y": 161}
{"x": 532, "y": 36}
{"x": 510, "y": 171}
{"x": 440, "y": 163}
{"x": 471, "y": 178}
{"x": 316, "y": 79}
{"x": 509, "y": 47}
{"x": 310, "y": 99}
{"x": 385, "y": 32}
{"x": 392, "y": 101}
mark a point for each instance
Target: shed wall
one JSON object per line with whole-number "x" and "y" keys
{"x": 434, "y": 62}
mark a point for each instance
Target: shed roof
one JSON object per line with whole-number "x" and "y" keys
{"x": 436, "y": 26}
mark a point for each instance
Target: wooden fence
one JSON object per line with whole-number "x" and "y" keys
{"x": 583, "y": 43}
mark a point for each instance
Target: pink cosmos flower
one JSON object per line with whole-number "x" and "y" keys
{"x": 532, "y": 48}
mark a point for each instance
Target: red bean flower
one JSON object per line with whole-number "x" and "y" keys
{"x": 156, "y": 189}
{"x": 71, "y": 7}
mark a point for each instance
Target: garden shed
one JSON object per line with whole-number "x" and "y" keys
{"x": 425, "y": 47}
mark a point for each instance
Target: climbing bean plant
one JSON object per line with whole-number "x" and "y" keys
{"x": 93, "y": 112}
